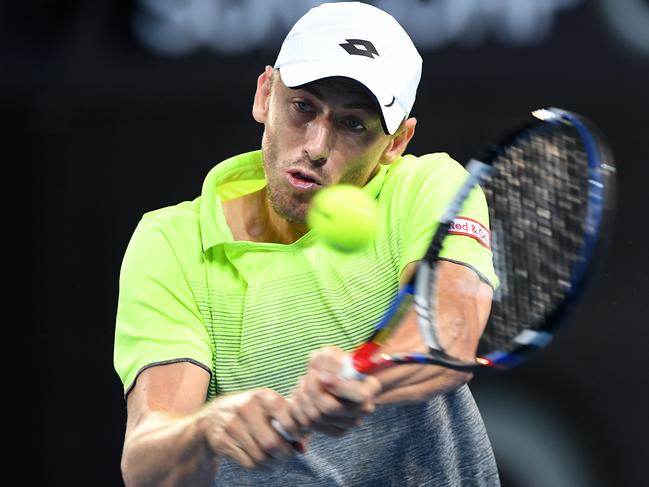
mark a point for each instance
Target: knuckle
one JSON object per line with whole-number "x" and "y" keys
{"x": 329, "y": 406}
{"x": 369, "y": 393}
{"x": 288, "y": 423}
{"x": 254, "y": 399}
{"x": 296, "y": 411}
{"x": 302, "y": 420}
{"x": 265, "y": 392}
{"x": 243, "y": 411}
{"x": 331, "y": 350}
{"x": 364, "y": 397}
{"x": 217, "y": 443}
{"x": 375, "y": 385}
{"x": 257, "y": 455}
{"x": 368, "y": 408}
{"x": 317, "y": 354}
{"x": 229, "y": 428}
{"x": 270, "y": 444}
{"x": 312, "y": 413}
{"x": 246, "y": 462}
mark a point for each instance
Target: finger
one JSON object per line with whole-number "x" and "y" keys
{"x": 312, "y": 404}
{"x": 331, "y": 416}
{"x": 273, "y": 444}
{"x": 240, "y": 432}
{"x": 352, "y": 390}
{"x": 307, "y": 398}
{"x": 297, "y": 405}
{"x": 308, "y": 410}
{"x": 282, "y": 413}
{"x": 288, "y": 424}
{"x": 251, "y": 431}
{"x": 243, "y": 457}
{"x": 329, "y": 359}
{"x": 224, "y": 445}
{"x": 331, "y": 406}
{"x": 258, "y": 418}
{"x": 268, "y": 438}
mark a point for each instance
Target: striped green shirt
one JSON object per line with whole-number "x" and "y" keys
{"x": 251, "y": 313}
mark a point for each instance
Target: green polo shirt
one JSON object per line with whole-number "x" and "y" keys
{"x": 251, "y": 313}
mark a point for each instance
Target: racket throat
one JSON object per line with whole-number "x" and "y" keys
{"x": 364, "y": 361}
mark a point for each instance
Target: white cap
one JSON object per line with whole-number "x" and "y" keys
{"x": 358, "y": 41}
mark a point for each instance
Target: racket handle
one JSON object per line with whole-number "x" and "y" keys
{"x": 349, "y": 371}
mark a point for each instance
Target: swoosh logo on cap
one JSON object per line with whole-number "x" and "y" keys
{"x": 391, "y": 103}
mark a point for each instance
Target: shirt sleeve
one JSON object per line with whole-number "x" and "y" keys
{"x": 158, "y": 320}
{"x": 432, "y": 182}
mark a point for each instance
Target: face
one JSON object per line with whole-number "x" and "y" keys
{"x": 327, "y": 132}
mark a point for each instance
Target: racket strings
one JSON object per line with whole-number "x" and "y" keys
{"x": 538, "y": 201}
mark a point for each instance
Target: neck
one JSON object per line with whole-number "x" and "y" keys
{"x": 278, "y": 229}
{"x": 251, "y": 217}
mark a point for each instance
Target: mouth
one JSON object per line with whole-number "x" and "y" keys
{"x": 303, "y": 180}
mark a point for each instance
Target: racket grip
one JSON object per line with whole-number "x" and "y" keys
{"x": 349, "y": 371}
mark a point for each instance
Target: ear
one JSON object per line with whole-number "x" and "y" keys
{"x": 261, "y": 101}
{"x": 399, "y": 141}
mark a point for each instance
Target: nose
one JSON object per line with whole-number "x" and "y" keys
{"x": 318, "y": 141}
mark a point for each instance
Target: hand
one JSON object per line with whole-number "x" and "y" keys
{"x": 238, "y": 426}
{"x": 325, "y": 402}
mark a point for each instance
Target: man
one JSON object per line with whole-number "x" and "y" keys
{"x": 228, "y": 304}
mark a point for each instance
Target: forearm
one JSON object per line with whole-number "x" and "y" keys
{"x": 463, "y": 303}
{"x": 167, "y": 451}
{"x": 403, "y": 384}
{"x": 417, "y": 383}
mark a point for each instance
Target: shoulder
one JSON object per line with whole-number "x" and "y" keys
{"x": 182, "y": 214}
{"x": 180, "y": 222}
{"x": 438, "y": 163}
{"x": 415, "y": 171}
{"x": 165, "y": 235}
{"x": 435, "y": 175}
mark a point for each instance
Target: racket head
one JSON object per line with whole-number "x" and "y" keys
{"x": 551, "y": 202}
{"x": 550, "y": 186}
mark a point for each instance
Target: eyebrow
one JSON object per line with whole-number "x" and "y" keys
{"x": 355, "y": 104}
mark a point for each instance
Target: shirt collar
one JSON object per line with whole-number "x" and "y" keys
{"x": 237, "y": 176}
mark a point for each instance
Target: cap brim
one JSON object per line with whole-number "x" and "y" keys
{"x": 299, "y": 74}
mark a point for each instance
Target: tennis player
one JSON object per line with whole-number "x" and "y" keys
{"x": 228, "y": 305}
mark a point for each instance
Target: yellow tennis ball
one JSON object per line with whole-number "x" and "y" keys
{"x": 344, "y": 217}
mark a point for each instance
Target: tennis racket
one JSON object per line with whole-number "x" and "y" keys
{"x": 550, "y": 187}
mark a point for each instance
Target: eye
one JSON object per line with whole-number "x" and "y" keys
{"x": 302, "y": 106}
{"x": 354, "y": 124}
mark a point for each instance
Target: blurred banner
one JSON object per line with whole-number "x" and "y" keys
{"x": 178, "y": 27}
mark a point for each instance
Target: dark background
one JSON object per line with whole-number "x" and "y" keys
{"x": 98, "y": 129}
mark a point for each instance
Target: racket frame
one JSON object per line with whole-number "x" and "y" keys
{"x": 420, "y": 287}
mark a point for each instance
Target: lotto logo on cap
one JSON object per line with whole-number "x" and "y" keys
{"x": 357, "y": 41}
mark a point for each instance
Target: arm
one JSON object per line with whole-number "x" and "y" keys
{"x": 327, "y": 403}
{"x": 464, "y": 306}
{"x": 173, "y": 437}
